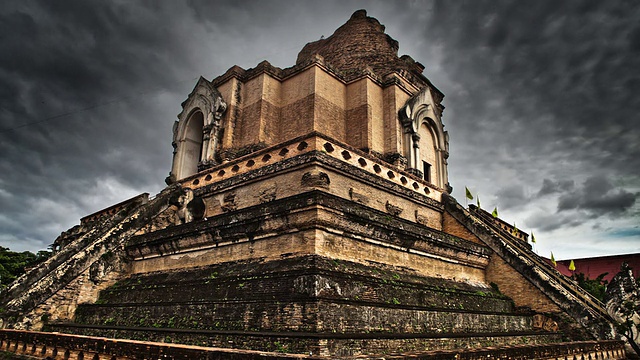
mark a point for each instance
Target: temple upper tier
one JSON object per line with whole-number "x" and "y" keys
{"x": 351, "y": 87}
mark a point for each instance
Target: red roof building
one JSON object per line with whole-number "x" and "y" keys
{"x": 595, "y": 266}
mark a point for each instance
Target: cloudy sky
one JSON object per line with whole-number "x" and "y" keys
{"x": 542, "y": 102}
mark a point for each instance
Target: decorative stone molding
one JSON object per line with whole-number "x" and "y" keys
{"x": 358, "y": 197}
{"x": 190, "y": 206}
{"x": 229, "y": 202}
{"x": 320, "y": 179}
{"x": 393, "y": 209}
{"x": 268, "y": 194}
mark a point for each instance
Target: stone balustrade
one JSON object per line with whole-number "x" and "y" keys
{"x": 40, "y": 345}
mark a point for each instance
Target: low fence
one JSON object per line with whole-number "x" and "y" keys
{"x": 40, "y": 345}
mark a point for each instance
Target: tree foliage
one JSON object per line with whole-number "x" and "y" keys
{"x": 14, "y": 264}
{"x": 596, "y": 287}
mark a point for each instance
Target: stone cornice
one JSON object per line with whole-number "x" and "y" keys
{"x": 409, "y": 82}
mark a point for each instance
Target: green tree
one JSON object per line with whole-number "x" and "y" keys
{"x": 596, "y": 287}
{"x": 13, "y": 264}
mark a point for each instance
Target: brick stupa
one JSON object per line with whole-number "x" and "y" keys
{"x": 307, "y": 211}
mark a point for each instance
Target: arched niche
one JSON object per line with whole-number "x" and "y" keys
{"x": 190, "y": 145}
{"x": 425, "y": 143}
{"x": 195, "y": 134}
{"x": 428, "y": 153}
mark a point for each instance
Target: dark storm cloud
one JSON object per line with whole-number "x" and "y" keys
{"x": 543, "y": 90}
{"x": 583, "y": 204}
{"x": 551, "y": 187}
{"x": 598, "y": 196}
{"x": 89, "y": 91}
{"x": 550, "y": 221}
{"x": 563, "y": 73}
{"x": 94, "y": 63}
{"x": 537, "y": 90}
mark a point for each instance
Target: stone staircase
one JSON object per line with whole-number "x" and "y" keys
{"x": 306, "y": 305}
{"x": 566, "y": 294}
{"x": 95, "y": 251}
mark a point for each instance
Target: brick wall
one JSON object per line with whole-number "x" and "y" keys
{"x": 452, "y": 226}
{"x": 515, "y": 286}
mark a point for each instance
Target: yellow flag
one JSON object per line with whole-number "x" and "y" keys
{"x": 469, "y": 196}
{"x": 572, "y": 266}
{"x": 478, "y": 200}
{"x": 495, "y": 212}
{"x": 553, "y": 260}
{"x": 533, "y": 238}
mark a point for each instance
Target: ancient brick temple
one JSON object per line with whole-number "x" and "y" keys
{"x": 307, "y": 212}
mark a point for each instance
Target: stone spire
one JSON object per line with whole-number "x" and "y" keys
{"x": 358, "y": 45}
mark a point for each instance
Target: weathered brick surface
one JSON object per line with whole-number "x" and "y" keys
{"x": 517, "y": 287}
{"x": 79, "y": 270}
{"x": 513, "y": 259}
{"x": 304, "y": 224}
{"x": 298, "y": 117}
{"x": 251, "y": 302}
{"x": 452, "y": 226}
{"x": 358, "y": 46}
{"x": 349, "y": 86}
{"x": 329, "y": 117}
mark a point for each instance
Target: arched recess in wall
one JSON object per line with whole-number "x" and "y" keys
{"x": 428, "y": 161}
{"x": 190, "y": 145}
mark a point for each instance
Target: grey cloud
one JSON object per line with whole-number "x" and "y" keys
{"x": 117, "y": 72}
{"x": 549, "y": 221}
{"x": 94, "y": 62}
{"x": 548, "y": 62}
{"x": 550, "y": 186}
{"x": 598, "y": 196}
{"x": 543, "y": 90}
{"x": 511, "y": 196}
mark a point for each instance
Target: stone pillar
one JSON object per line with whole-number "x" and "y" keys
{"x": 90, "y": 355}
{"x": 415, "y": 162}
{"x": 105, "y": 357}
{"x": 206, "y": 137}
{"x": 32, "y": 349}
{"x": 407, "y": 144}
{"x": 51, "y": 351}
{"x": 21, "y": 348}
{"x": 75, "y": 355}
{"x": 41, "y": 349}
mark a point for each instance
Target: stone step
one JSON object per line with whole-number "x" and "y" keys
{"x": 349, "y": 344}
{"x": 317, "y": 315}
{"x": 306, "y": 277}
{"x": 583, "y": 308}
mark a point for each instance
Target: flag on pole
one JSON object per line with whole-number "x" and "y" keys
{"x": 469, "y": 196}
{"x": 572, "y": 266}
{"x": 533, "y": 238}
{"x": 478, "y": 200}
{"x": 495, "y": 212}
{"x": 553, "y": 260}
